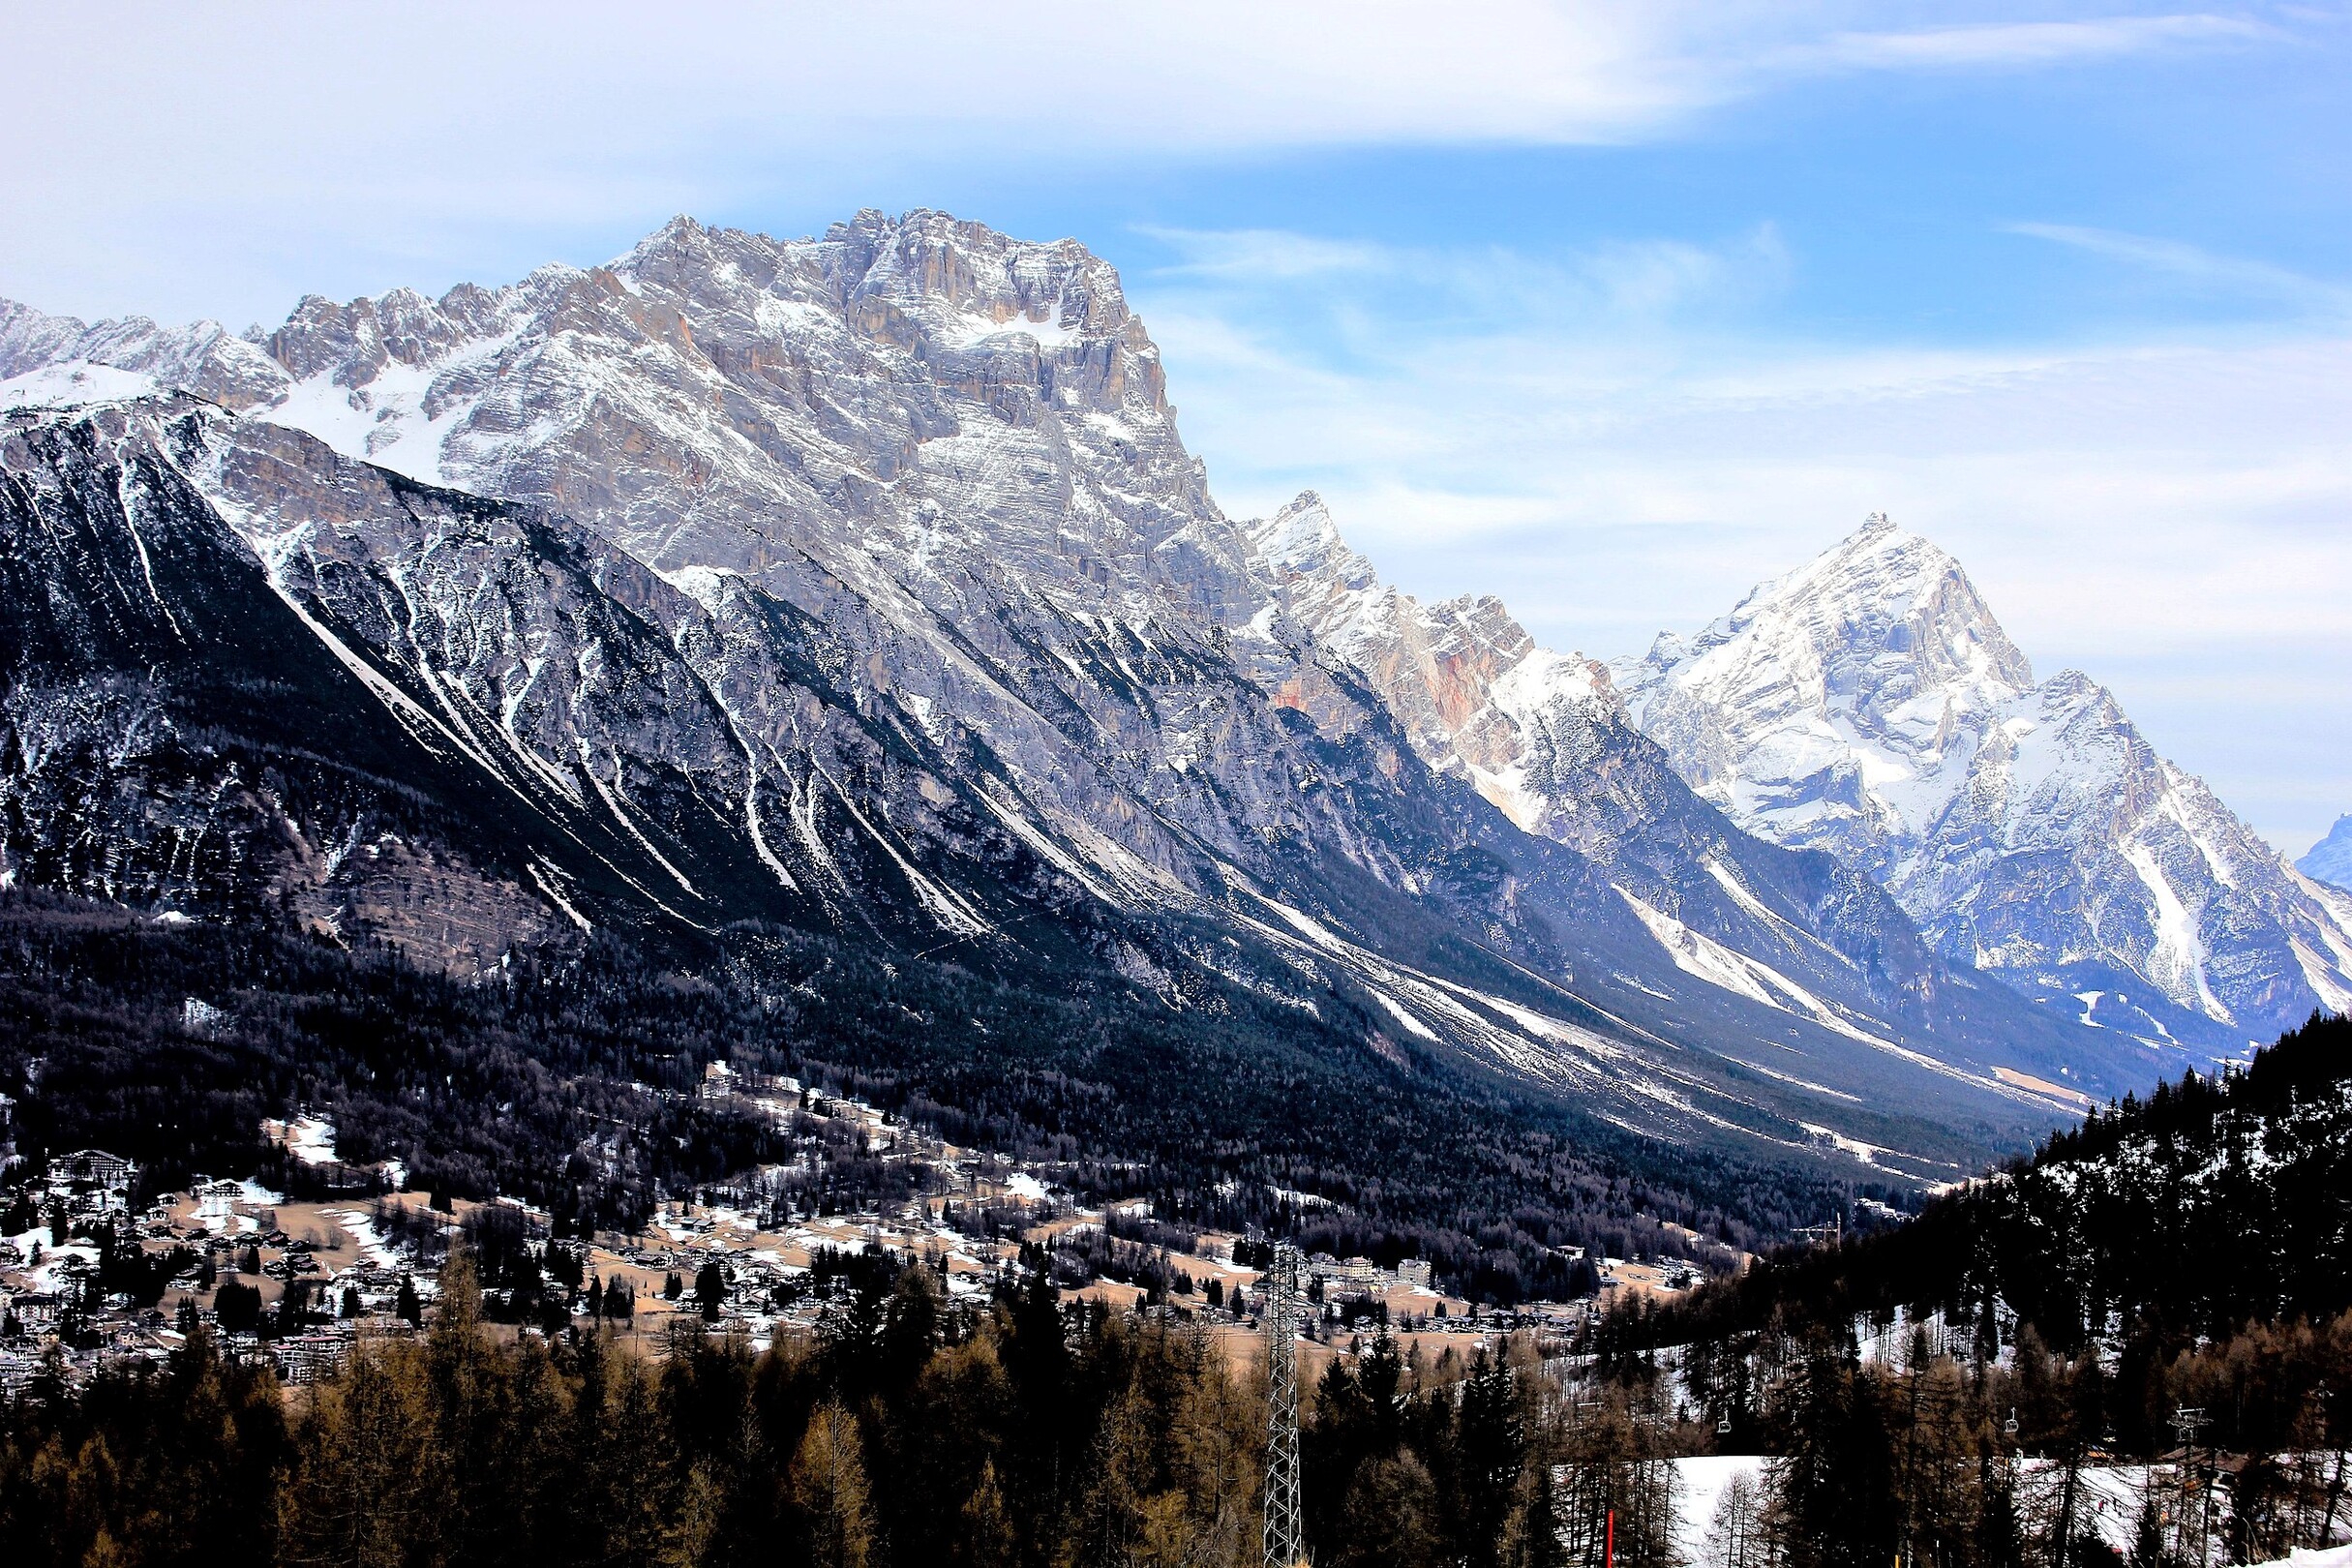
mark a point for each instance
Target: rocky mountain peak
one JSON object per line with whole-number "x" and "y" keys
{"x": 1882, "y": 615}
{"x": 1484, "y": 623}
{"x": 201, "y": 357}
{"x": 1302, "y": 546}
{"x": 1840, "y": 704}
{"x": 1870, "y": 704}
{"x": 925, "y": 276}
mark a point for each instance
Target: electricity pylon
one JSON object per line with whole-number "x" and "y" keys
{"x": 2186, "y": 1420}
{"x": 1280, "y": 1294}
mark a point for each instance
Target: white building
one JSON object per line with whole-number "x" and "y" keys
{"x": 217, "y": 1202}
{"x": 305, "y": 1358}
{"x": 91, "y": 1167}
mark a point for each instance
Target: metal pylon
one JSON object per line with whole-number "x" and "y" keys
{"x": 1279, "y": 1290}
{"x": 2186, "y": 1420}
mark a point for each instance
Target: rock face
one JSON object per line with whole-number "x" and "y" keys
{"x": 2330, "y": 860}
{"x": 55, "y": 360}
{"x": 862, "y": 583}
{"x": 1869, "y": 704}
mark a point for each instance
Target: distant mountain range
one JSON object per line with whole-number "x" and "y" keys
{"x": 862, "y": 585}
{"x": 2330, "y": 860}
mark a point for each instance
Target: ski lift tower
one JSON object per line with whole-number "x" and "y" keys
{"x": 1280, "y": 1291}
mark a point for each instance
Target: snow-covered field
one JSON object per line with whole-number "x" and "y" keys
{"x": 310, "y": 1139}
{"x": 2330, "y": 1558}
{"x": 361, "y": 1228}
{"x": 44, "y": 1275}
{"x": 1698, "y": 1485}
{"x": 2110, "y": 1504}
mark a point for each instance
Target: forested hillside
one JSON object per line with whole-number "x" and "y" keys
{"x": 2191, "y": 1248}
{"x": 2215, "y": 1201}
{"x": 910, "y": 1431}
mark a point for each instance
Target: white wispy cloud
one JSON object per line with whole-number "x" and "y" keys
{"x": 2023, "y": 44}
{"x": 1382, "y": 299}
{"x": 2188, "y": 262}
{"x": 1269, "y": 254}
{"x": 482, "y": 138}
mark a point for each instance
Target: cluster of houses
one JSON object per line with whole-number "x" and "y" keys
{"x": 54, "y": 1306}
{"x": 88, "y": 1183}
{"x": 977, "y": 1221}
{"x": 721, "y": 1082}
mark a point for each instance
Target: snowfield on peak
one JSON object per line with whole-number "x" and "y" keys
{"x": 1869, "y": 704}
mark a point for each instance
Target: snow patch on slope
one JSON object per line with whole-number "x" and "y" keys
{"x": 66, "y": 385}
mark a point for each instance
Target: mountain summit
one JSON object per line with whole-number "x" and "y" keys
{"x": 1869, "y": 704}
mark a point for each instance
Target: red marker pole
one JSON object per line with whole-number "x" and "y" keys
{"x": 1609, "y": 1551}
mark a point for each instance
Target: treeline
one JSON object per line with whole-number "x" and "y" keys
{"x": 2215, "y": 1203}
{"x": 2266, "y": 1389}
{"x": 567, "y": 1079}
{"x": 908, "y": 1430}
{"x": 1922, "y": 1460}
{"x": 1029, "y": 1432}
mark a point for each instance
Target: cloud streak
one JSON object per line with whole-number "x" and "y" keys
{"x": 2235, "y": 275}
{"x": 483, "y": 138}
{"x": 2025, "y": 43}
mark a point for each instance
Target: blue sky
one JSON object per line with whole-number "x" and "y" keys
{"x": 1613, "y": 310}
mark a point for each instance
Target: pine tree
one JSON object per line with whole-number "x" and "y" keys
{"x": 1535, "y": 1533}
{"x": 987, "y": 1537}
{"x": 710, "y": 1291}
{"x": 827, "y": 1491}
{"x": 1489, "y": 1446}
{"x": 1739, "y": 1533}
{"x": 1834, "y": 1479}
{"x": 369, "y": 1486}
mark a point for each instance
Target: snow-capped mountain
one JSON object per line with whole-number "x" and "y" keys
{"x": 862, "y": 583}
{"x": 1546, "y": 738}
{"x": 1869, "y": 704}
{"x": 2330, "y": 860}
